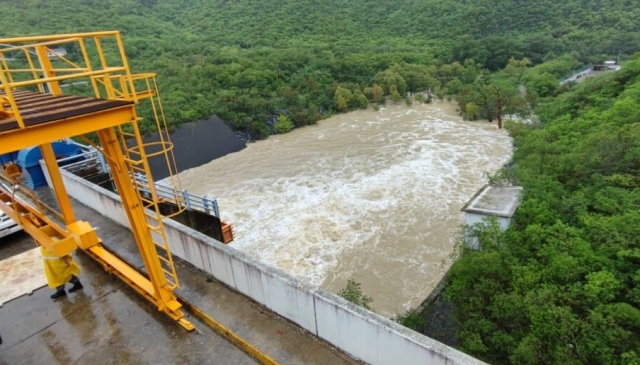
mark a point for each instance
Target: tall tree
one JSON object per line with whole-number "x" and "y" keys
{"x": 377, "y": 93}
{"x": 493, "y": 96}
{"x": 342, "y": 98}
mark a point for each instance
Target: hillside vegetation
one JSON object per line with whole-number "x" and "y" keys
{"x": 562, "y": 285}
{"x": 252, "y": 62}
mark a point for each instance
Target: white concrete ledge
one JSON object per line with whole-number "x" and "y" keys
{"x": 270, "y": 287}
{"x": 377, "y": 340}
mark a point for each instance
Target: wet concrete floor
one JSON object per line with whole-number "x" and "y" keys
{"x": 106, "y": 323}
{"x": 109, "y": 323}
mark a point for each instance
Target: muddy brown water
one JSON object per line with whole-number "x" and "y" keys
{"x": 373, "y": 196}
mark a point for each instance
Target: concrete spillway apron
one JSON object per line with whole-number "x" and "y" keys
{"x": 215, "y": 325}
{"x": 228, "y": 334}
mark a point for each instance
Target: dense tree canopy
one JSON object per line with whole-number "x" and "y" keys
{"x": 252, "y": 61}
{"x": 562, "y": 285}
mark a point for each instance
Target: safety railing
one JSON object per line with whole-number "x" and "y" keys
{"x": 44, "y": 63}
{"x": 190, "y": 201}
{"x": 572, "y": 76}
{"x": 92, "y": 158}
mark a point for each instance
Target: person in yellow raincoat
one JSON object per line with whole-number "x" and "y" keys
{"x": 59, "y": 271}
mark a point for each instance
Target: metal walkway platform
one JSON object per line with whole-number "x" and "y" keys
{"x": 38, "y": 108}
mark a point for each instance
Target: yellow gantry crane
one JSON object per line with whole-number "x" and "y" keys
{"x": 34, "y": 111}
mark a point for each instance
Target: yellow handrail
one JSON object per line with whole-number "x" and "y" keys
{"x": 59, "y": 37}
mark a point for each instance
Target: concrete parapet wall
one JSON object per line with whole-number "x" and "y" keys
{"x": 356, "y": 331}
{"x": 377, "y": 340}
{"x": 270, "y": 287}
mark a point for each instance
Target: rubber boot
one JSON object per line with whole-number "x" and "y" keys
{"x": 59, "y": 292}
{"x": 77, "y": 285}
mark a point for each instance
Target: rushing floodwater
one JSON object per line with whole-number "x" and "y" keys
{"x": 370, "y": 196}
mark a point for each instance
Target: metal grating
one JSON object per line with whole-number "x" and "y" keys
{"x": 38, "y": 108}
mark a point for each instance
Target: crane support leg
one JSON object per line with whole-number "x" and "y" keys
{"x": 58, "y": 186}
{"x": 46, "y": 232}
{"x": 156, "y": 288}
{"x": 36, "y": 119}
{"x": 80, "y": 234}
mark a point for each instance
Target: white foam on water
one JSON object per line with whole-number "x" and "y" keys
{"x": 375, "y": 196}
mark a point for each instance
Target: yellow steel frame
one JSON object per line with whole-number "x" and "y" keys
{"x": 113, "y": 82}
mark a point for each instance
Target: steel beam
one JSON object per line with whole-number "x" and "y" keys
{"x": 161, "y": 294}
{"x": 18, "y": 139}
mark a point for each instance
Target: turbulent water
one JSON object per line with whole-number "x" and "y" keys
{"x": 373, "y": 196}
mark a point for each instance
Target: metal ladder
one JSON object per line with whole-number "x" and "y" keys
{"x": 136, "y": 158}
{"x": 137, "y": 163}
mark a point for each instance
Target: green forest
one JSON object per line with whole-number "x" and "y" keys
{"x": 562, "y": 285}
{"x": 256, "y": 62}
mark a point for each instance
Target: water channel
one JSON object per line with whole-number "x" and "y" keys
{"x": 373, "y": 196}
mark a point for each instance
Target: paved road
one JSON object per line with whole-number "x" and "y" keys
{"x": 586, "y": 73}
